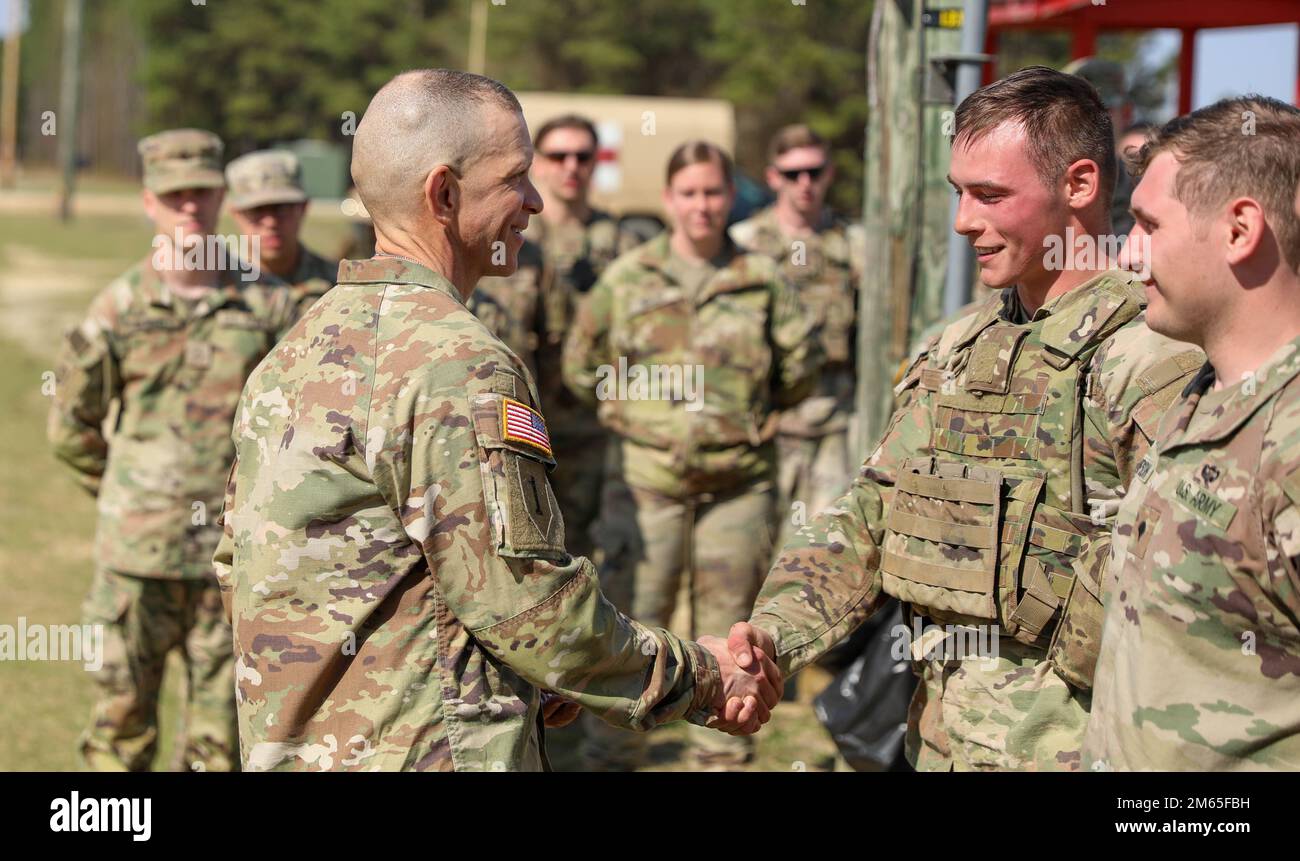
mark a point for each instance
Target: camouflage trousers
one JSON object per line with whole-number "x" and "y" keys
{"x": 648, "y": 543}
{"x": 1011, "y": 712}
{"x": 576, "y": 481}
{"x": 143, "y": 619}
{"x": 813, "y": 472}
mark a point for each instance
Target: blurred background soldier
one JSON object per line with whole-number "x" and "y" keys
{"x": 689, "y": 345}
{"x": 165, "y": 349}
{"x": 512, "y": 309}
{"x": 1130, "y": 141}
{"x": 267, "y": 201}
{"x": 577, "y": 242}
{"x": 812, "y": 249}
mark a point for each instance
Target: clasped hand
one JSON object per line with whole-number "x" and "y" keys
{"x": 751, "y": 682}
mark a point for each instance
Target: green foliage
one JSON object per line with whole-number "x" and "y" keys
{"x": 257, "y": 73}
{"x": 275, "y": 70}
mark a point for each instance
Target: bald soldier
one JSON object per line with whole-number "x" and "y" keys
{"x": 269, "y": 204}
{"x": 394, "y": 558}
{"x": 165, "y": 348}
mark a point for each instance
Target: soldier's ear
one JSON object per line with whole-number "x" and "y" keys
{"x": 442, "y": 193}
{"x": 773, "y": 178}
{"x": 1082, "y": 184}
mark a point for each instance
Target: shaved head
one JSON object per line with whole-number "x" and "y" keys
{"x": 417, "y": 121}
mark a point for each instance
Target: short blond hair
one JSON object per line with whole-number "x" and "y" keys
{"x": 793, "y": 137}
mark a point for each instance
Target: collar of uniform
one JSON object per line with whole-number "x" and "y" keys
{"x": 765, "y": 221}
{"x": 229, "y": 290}
{"x": 310, "y": 265}
{"x": 1237, "y": 405}
{"x": 1090, "y": 312}
{"x": 151, "y": 286}
{"x": 538, "y": 228}
{"x": 1073, "y": 319}
{"x": 385, "y": 269}
{"x": 999, "y": 307}
{"x": 657, "y": 251}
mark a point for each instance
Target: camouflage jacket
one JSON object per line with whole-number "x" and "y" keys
{"x": 511, "y": 307}
{"x": 174, "y": 378}
{"x": 573, "y": 258}
{"x": 690, "y": 382}
{"x": 826, "y": 268}
{"x": 1200, "y": 661}
{"x": 989, "y": 499}
{"x": 312, "y": 278}
{"x": 393, "y": 557}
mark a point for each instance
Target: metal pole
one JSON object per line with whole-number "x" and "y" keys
{"x": 961, "y": 257}
{"x": 9, "y": 99}
{"x": 69, "y": 84}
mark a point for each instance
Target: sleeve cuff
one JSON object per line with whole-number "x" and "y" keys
{"x": 707, "y": 679}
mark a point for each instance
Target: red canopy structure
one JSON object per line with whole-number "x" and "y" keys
{"x": 1086, "y": 18}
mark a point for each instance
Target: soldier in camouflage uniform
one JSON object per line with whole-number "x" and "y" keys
{"x": 267, "y": 201}
{"x": 823, "y": 258}
{"x": 167, "y": 348}
{"x": 578, "y": 242}
{"x": 689, "y": 482}
{"x": 988, "y": 503}
{"x": 1200, "y": 662}
{"x": 393, "y": 558}
{"x": 511, "y": 307}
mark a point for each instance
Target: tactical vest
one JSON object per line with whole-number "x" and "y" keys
{"x": 570, "y": 272}
{"x": 993, "y": 526}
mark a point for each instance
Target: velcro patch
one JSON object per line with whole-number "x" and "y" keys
{"x": 231, "y": 319}
{"x": 198, "y": 354}
{"x": 522, "y": 424}
{"x": 1145, "y": 466}
{"x": 1205, "y": 505}
{"x": 78, "y": 341}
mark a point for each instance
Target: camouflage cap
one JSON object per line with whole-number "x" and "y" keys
{"x": 181, "y": 158}
{"x": 263, "y": 177}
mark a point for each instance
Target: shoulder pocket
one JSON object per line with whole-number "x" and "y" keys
{"x": 515, "y": 458}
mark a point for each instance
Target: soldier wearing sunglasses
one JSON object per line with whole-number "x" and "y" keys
{"x": 816, "y": 254}
{"x": 577, "y": 242}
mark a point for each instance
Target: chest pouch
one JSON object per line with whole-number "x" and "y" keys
{"x": 978, "y": 542}
{"x": 955, "y": 536}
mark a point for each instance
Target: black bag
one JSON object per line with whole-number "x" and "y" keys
{"x": 865, "y": 707}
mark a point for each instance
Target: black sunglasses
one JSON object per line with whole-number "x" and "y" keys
{"x": 814, "y": 173}
{"x": 583, "y": 156}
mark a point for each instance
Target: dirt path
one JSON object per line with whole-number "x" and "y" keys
{"x": 38, "y": 294}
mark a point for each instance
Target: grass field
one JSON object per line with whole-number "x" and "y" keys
{"x": 48, "y": 273}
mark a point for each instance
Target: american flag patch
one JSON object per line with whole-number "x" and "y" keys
{"x": 521, "y": 423}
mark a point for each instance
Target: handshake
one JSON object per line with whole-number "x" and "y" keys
{"x": 751, "y": 684}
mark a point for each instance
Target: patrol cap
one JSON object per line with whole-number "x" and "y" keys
{"x": 264, "y": 177}
{"x": 181, "y": 158}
